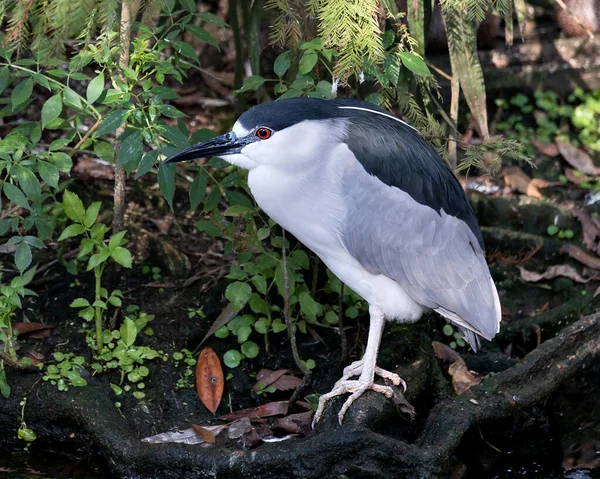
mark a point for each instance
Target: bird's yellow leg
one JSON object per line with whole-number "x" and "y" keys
{"x": 366, "y": 368}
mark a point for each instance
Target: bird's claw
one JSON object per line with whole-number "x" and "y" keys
{"x": 357, "y": 388}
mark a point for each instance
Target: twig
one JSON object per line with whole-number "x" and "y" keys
{"x": 288, "y": 322}
{"x": 15, "y": 364}
{"x": 85, "y": 137}
{"x": 18, "y": 27}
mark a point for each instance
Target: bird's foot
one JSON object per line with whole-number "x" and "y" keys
{"x": 357, "y": 388}
{"x": 356, "y": 368}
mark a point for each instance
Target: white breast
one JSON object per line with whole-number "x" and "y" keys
{"x": 309, "y": 205}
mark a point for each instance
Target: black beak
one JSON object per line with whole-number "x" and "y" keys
{"x": 227, "y": 144}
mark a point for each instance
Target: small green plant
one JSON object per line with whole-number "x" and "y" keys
{"x": 98, "y": 253}
{"x": 10, "y": 300}
{"x": 66, "y": 372}
{"x": 25, "y": 433}
{"x": 554, "y": 230}
{"x": 153, "y": 271}
{"x": 457, "y": 340}
{"x": 196, "y": 312}
{"x": 186, "y": 358}
{"x": 120, "y": 353}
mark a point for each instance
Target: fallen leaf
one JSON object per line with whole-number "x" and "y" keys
{"x": 552, "y": 272}
{"x": 251, "y": 439}
{"x": 270, "y": 409}
{"x": 164, "y": 224}
{"x": 266, "y": 377}
{"x": 299, "y": 423}
{"x": 462, "y": 378}
{"x": 587, "y": 259}
{"x": 209, "y": 379}
{"x": 591, "y": 229}
{"x": 205, "y": 434}
{"x": 226, "y": 315}
{"x": 187, "y": 436}
{"x": 577, "y": 158}
{"x": 27, "y": 327}
{"x": 287, "y": 382}
{"x": 516, "y": 178}
{"x": 238, "y": 428}
{"x": 575, "y": 178}
{"x": 548, "y": 149}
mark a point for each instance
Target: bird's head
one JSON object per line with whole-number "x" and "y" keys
{"x": 288, "y": 133}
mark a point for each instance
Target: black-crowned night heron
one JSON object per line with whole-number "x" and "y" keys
{"x": 378, "y": 205}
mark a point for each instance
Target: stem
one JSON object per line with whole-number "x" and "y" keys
{"x": 98, "y": 309}
{"x": 286, "y": 311}
{"x": 85, "y": 137}
{"x": 344, "y": 353}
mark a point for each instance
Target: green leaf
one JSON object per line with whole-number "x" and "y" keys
{"x": 209, "y": 228}
{"x": 4, "y": 80}
{"x": 70, "y": 231}
{"x": 104, "y": 151}
{"x": 243, "y": 333}
{"x": 122, "y": 256}
{"x": 28, "y": 182}
{"x": 23, "y": 256}
{"x": 166, "y": 181}
{"x": 222, "y": 332}
{"x": 202, "y": 35}
{"x": 73, "y": 207}
{"x": 250, "y": 349}
{"x": 128, "y": 332}
{"x": 232, "y": 358}
{"x": 98, "y": 258}
{"x": 4, "y": 386}
{"x": 115, "y": 301}
{"x": 414, "y": 63}
{"x": 197, "y": 190}
{"x": 147, "y": 163}
{"x": 91, "y": 214}
{"x": 15, "y": 195}
{"x": 282, "y": 63}
{"x": 112, "y": 121}
{"x": 117, "y": 240}
{"x": 95, "y": 88}
{"x": 309, "y": 307}
{"x": 260, "y": 283}
{"x": 86, "y": 247}
{"x": 212, "y": 201}
{"x": 49, "y": 173}
{"x": 278, "y": 326}
{"x": 252, "y": 83}
{"x": 307, "y": 62}
{"x": 331, "y": 317}
{"x": 21, "y": 93}
{"x": 131, "y": 149}
{"x": 448, "y": 330}
{"x": 80, "y": 303}
{"x": 51, "y": 109}
{"x": 72, "y": 99}
{"x": 236, "y": 210}
{"x": 238, "y": 294}
{"x": 212, "y": 18}
{"x": 186, "y": 50}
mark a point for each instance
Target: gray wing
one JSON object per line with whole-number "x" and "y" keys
{"x": 435, "y": 257}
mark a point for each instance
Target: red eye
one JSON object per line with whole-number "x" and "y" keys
{"x": 264, "y": 133}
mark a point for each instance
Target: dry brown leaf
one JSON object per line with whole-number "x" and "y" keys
{"x": 209, "y": 379}
{"x": 287, "y": 382}
{"x": 266, "y": 377}
{"x": 462, "y": 378}
{"x": 548, "y": 149}
{"x": 445, "y": 353}
{"x": 591, "y": 229}
{"x": 270, "y": 409}
{"x": 577, "y": 158}
{"x": 300, "y": 423}
{"x": 204, "y": 434}
{"x": 516, "y": 178}
{"x": 226, "y": 315}
{"x": 575, "y": 178}
{"x": 552, "y": 272}
{"x": 27, "y": 327}
{"x": 587, "y": 259}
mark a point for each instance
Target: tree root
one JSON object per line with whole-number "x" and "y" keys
{"x": 366, "y": 444}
